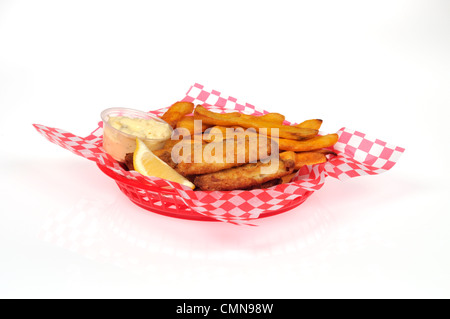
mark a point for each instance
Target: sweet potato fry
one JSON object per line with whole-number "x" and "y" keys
{"x": 176, "y": 112}
{"x": 313, "y": 124}
{"x": 284, "y": 131}
{"x": 314, "y": 143}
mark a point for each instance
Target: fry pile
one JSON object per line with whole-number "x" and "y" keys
{"x": 248, "y": 152}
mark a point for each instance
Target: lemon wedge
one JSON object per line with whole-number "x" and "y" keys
{"x": 148, "y": 164}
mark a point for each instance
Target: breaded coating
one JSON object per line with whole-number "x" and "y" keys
{"x": 129, "y": 162}
{"x": 218, "y": 156}
{"x": 246, "y": 176}
{"x": 166, "y": 156}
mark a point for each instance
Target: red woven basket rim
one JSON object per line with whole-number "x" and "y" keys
{"x": 122, "y": 179}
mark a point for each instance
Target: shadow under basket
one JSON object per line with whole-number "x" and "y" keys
{"x": 167, "y": 202}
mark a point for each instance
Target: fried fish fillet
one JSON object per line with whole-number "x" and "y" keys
{"x": 166, "y": 156}
{"x": 247, "y": 176}
{"x": 129, "y": 162}
{"x": 218, "y": 156}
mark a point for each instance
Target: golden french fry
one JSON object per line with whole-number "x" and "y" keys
{"x": 233, "y": 114}
{"x": 314, "y": 143}
{"x": 301, "y": 159}
{"x": 187, "y": 122}
{"x": 288, "y": 156}
{"x": 227, "y": 130}
{"x": 308, "y": 158}
{"x": 176, "y": 112}
{"x": 276, "y": 118}
{"x": 217, "y": 130}
{"x": 313, "y": 124}
{"x": 284, "y": 131}
{"x": 217, "y": 133}
{"x": 326, "y": 151}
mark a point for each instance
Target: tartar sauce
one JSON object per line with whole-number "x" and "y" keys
{"x": 141, "y": 128}
{"x": 120, "y": 133}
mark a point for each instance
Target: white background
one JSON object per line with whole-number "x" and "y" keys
{"x": 380, "y": 67}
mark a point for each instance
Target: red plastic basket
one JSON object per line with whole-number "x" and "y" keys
{"x": 358, "y": 155}
{"x": 167, "y": 202}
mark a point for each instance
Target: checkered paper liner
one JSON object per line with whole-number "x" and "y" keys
{"x": 357, "y": 155}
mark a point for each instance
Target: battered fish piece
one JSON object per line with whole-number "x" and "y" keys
{"x": 128, "y": 165}
{"x": 247, "y": 176}
{"x": 166, "y": 156}
{"x": 218, "y": 156}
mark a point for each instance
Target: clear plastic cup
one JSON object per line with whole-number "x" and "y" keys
{"x": 117, "y": 143}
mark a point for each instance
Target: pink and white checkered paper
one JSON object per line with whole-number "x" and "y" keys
{"x": 357, "y": 155}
